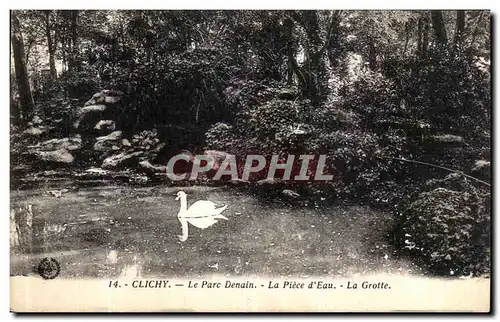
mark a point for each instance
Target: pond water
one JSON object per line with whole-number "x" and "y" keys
{"x": 116, "y": 231}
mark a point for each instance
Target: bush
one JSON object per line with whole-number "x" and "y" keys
{"x": 376, "y": 99}
{"x": 447, "y": 228}
{"x": 220, "y": 136}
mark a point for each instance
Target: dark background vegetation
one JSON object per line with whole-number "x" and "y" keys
{"x": 370, "y": 89}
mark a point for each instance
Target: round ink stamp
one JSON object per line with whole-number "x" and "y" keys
{"x": 49, "y": 268}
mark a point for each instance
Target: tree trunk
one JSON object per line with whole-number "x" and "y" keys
{"x": 439, "y": 27}
{"x": 290, "y": 52}
{"x": 72, "y": 62}
{"x": 425, "y": 36}
{"x": 312, "y": 75}
{"x": 420, "y": 32}
{"x": 372, "y": 55}
{"x": 50, "y": 45}
{"x": 407, "y": 38}
{"x": 63, "y": 52}
{"x": 25, "y": 95}
{"x": 460, "y": 27}
{"x": 335, "y": 46}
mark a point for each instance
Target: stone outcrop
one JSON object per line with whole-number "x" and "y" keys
{"x": 105, "y": 126}
{"x": 69, "y": 144}
{"x": 61, "y": 156}
{"x": 121, "y": 160}
{"x": 106, "y": 143}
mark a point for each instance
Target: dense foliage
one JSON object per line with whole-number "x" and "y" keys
{"x": 448, "y": 227}
{"x": 369, "y": 89}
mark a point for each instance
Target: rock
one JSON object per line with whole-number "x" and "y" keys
{"x": 482, "y": 169}
{"x": 112, "y": 99}
{"x": 93, "y": 108}
{"x": 97, "y": 171}
{"x": 290, "y": 193}
{"x": 446, "y": 140}
{"x": 57, "y": 156}
{"x": 101, "y": 146}
{"x": 112, "y": 92}
{"x": 159, "y": 147}
{"x": 238, "y": 182}
{"x": 287, "y": 94}
{"x": 35, "y": 131}
{"x": 36, "y": 120}
{"x": 116, "y": 135}
{"x": 106, "y": 143}
{"x": 97, "y": 98}
{"x": 148, "y": 168}
{"x": 481, "y": 165}
{"x": 217, "y": 156}
{"x": 123, "y": 159}
{"x": 57, "y": 193}
{"x": 105, "y": 125}
{"x": 93, "y": 174}
{"x": 105, "y": 96}
{"x": 125, "y": 142}
{"x": 88, "y": 116}
{"x": 269, "y": 182}
{"x": 69, "y": 144}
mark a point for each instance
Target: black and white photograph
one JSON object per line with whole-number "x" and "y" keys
{"x": 251, "y": 160}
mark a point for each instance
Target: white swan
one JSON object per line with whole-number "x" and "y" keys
{"x": 201, "y": 214}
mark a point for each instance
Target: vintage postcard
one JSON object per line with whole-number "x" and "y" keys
{"x": 250, "y": 161}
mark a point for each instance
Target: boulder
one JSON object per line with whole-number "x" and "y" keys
{"x": 88, "y": 116}
{"x": 92, "y": 174}
{"x": 290, "y": 193}
{"x": 149, "y": 168}
{"x": 36, "y": 127}
{"x": 35, "y": 130}
{"x": 97, "y": 98}
{"x": 126, "y": 143}
{"x": 98, "y": 171}
{"x": 106, "y": 143}
{"x": 121, "y": 160}
{"x": 218, "y": 156}
{"x": 69, "y": 144}
{"x": 445, "y": 140}
{"x": 57, "y": 156}
{"x": 113, "y": 136}
{"x": 482, "y": 169}
{"x": 106, "y": 97}
{"x": 105, "y": 125}
{"x": 36, "y": 120}
{"x": 112, "y": 99}
{"x": 480, "y": 165}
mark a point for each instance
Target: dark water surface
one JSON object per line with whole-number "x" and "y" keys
{"x": 117, "y": 231}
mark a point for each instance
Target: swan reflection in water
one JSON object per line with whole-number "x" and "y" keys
{"x": 201, "y": 214}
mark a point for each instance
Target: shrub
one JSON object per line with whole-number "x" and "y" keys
{"x": 220, "y": 136}
{"x": 447, "y": 228}
{"x": 376, "y": 99}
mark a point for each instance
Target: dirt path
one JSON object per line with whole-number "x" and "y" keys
{"x": 112, "y": 231}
